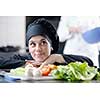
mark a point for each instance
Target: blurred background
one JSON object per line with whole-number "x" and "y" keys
{"x": 13, "y": 31}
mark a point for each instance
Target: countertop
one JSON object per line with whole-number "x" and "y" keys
{"x": 3, "y": 80}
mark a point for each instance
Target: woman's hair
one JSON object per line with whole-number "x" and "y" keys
{"x": 43, "y": 27}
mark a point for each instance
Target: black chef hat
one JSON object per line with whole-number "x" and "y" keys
{"x": 45, "y": 28}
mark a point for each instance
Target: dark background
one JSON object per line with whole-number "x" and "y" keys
{"x": 53, "y": 19}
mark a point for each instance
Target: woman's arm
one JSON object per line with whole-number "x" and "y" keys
{"x": 11, "y": 62}
{"x": 73, "y": 58}
{"x": 65, "y": 59}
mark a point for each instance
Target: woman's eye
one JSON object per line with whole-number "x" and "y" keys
{"x": 43, "y": 43}
{"x": 32, "y": 44}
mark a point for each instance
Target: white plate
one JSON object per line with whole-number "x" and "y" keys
{"x": 9, "y": 76}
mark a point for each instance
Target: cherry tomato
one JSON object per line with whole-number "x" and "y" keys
{"x": 45, "y": 71}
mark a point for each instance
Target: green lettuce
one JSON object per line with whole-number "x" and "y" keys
{"x": 18, "y": 71}
{"x": 75, "y": 71}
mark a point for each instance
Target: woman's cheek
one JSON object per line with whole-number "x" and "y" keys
{"x": 31, "y": 50}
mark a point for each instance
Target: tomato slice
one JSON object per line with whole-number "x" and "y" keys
{"x": 45, "y": 71}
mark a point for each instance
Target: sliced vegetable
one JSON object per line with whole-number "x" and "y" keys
{"x": 75, "y": 71}
{"x": 47, "y": 69}
{"x": 18, "y": 71}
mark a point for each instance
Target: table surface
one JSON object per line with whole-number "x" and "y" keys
{"x": 3, "y": 80}
{"x": 43, "y": 79}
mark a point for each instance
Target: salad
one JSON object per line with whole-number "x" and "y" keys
{"x": 74, "y": 71}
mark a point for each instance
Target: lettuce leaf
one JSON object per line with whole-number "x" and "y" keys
{"x": 18, "y": 71}
{"x": 75, "y": 71}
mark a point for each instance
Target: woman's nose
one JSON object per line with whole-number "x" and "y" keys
{"x": 38, "y": 47}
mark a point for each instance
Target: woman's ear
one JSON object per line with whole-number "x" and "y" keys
{"x": 51, "y": 48}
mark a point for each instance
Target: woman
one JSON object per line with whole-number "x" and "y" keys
{"x": 43, "y": 43}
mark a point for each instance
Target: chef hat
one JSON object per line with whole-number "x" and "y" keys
{"x": 45, "y": 28}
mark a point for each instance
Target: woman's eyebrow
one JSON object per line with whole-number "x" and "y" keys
{"x": 43, "y": 39}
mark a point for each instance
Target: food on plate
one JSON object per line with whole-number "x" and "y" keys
{"x": 18, "y": 71}
{"x": 31, "y": 71}
{"x": 28, "y": 71}
{"x": 46, "y": 70}
{"x": 75, "y": 71}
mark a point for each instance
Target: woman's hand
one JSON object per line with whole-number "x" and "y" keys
{"x": 32, "y": 70}
{"x": 33, "y": 63}
{"x": 52, "y": 59}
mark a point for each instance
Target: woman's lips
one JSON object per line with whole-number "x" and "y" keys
{"x": 39, "y": 54}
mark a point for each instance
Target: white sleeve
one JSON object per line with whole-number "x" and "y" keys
{"x": 63, "y": 29}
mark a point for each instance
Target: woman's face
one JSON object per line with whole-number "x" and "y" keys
{"x": 39, "y": 48}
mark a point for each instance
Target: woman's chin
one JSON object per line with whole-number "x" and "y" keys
{"x": 40, "y": 60}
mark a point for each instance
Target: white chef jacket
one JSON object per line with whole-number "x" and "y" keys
{"x": 75, "y": 43}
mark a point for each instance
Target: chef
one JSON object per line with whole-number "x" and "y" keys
{"x": 43, "y": 43}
